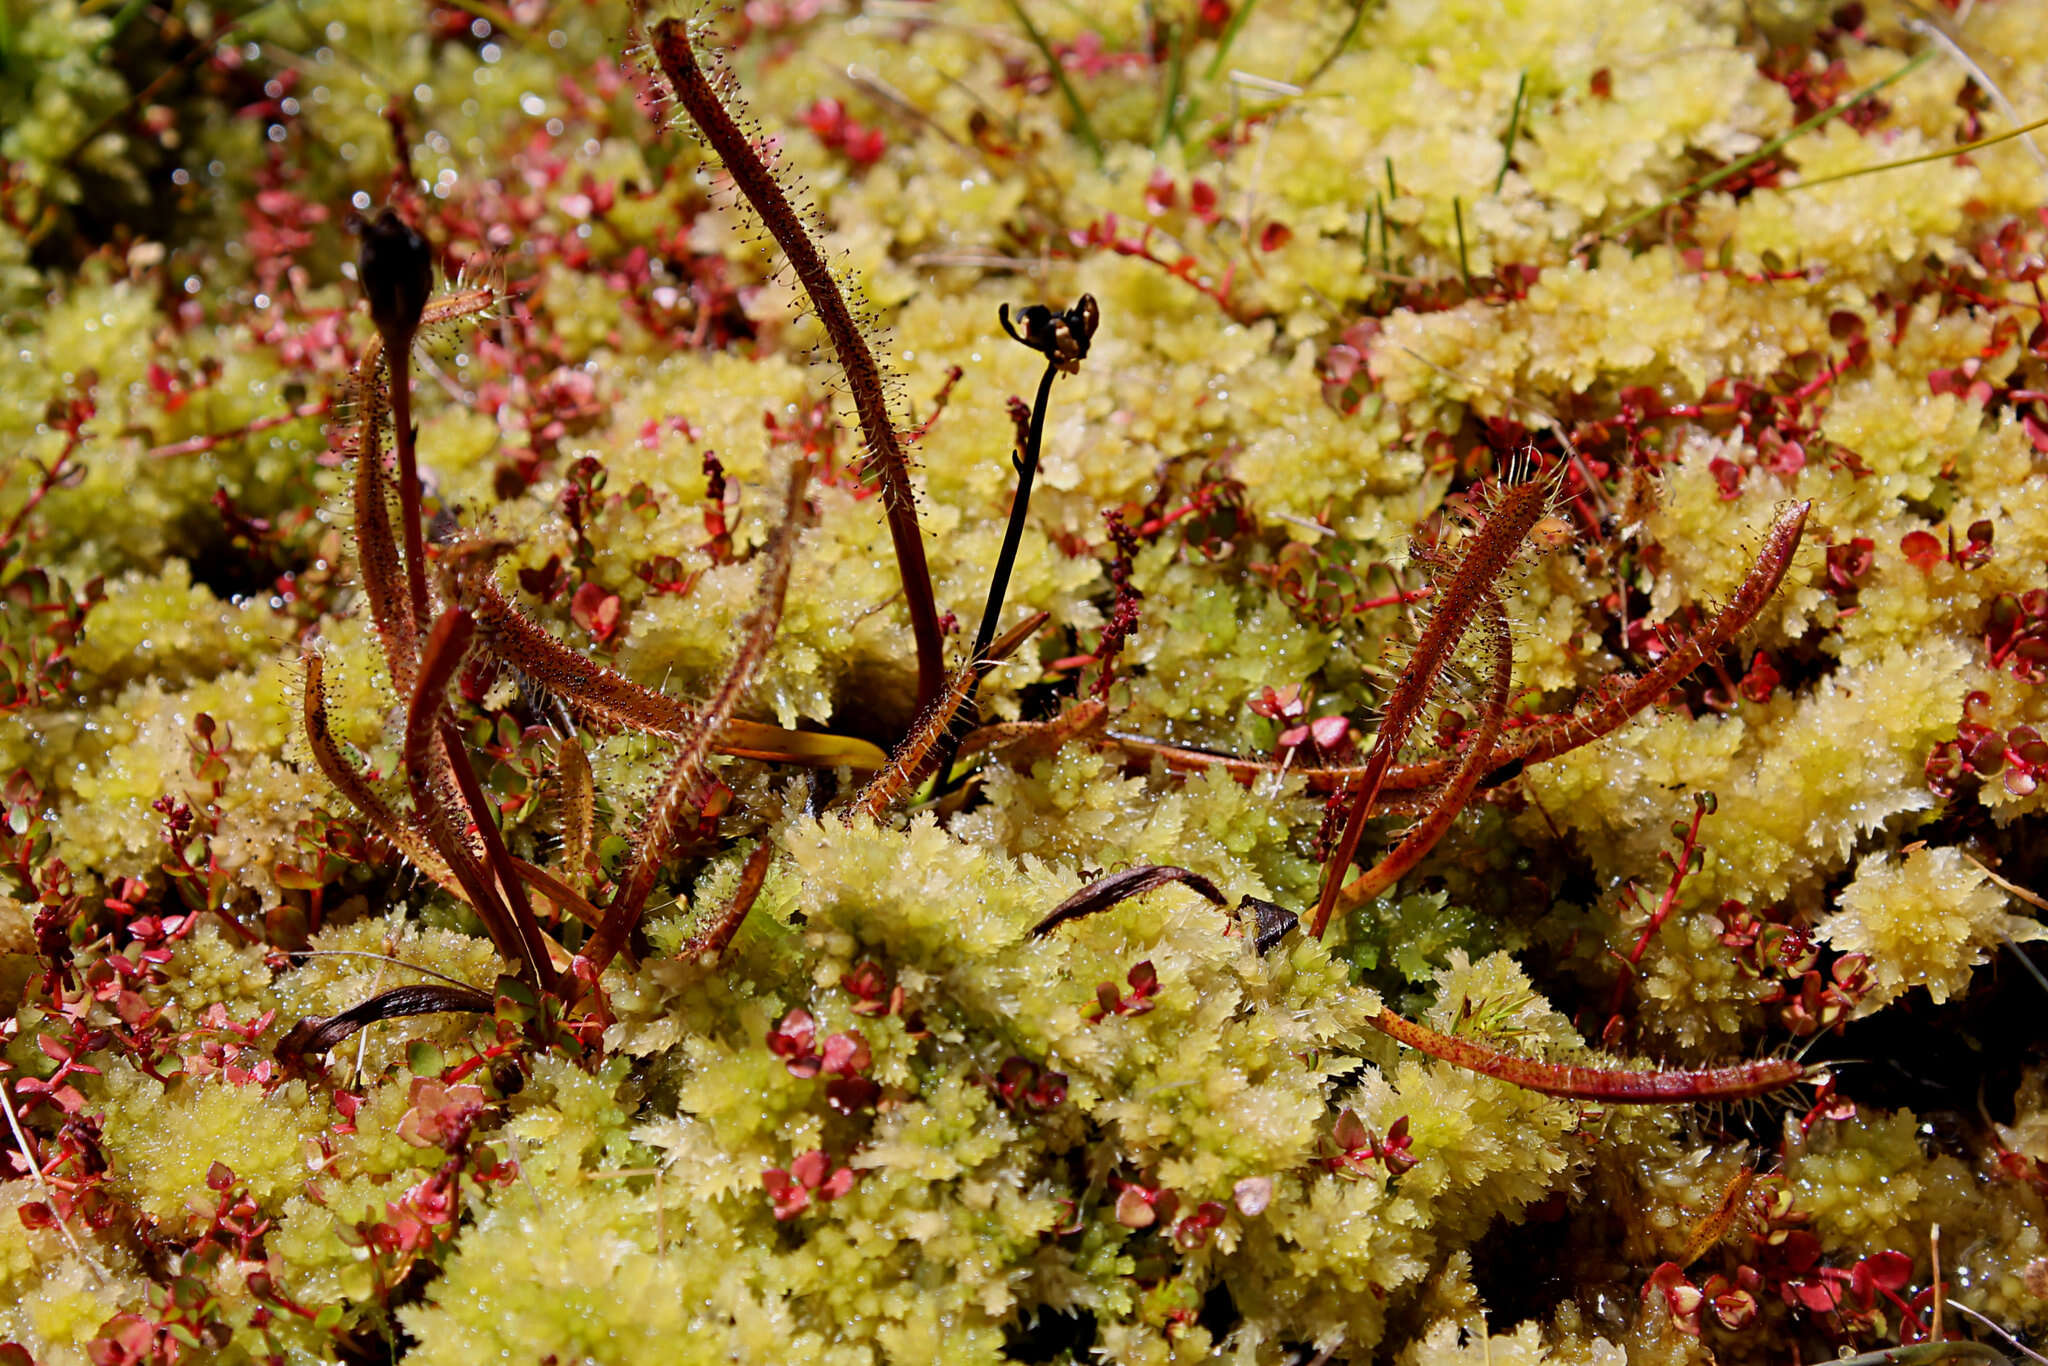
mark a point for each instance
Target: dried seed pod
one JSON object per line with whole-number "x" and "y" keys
{"x": 396, "y": 266}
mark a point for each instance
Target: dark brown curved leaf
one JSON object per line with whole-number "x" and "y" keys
{"x": 1103, "y": 893}
{"x": 316, "y": 1034}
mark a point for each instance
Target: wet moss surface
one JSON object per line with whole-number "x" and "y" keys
{"x": 1358, "y": 269}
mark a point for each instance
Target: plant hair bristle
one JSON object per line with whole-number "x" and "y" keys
{"x": 1471, "y": 766}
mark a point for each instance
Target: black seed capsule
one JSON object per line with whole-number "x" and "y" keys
{"x": 397, "y": 269}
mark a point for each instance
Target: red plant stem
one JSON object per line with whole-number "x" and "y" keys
{"x": 923, "y": 429}
{"x": 1103, "y": 233}
{"x": 58, "y": 470}
{"x": 1669, "y": 901}
{"x": 399, "y": 360}
{"x": 1472, "y": 766}
{"x": 1666, "y": 904}
{"x": 1491, "y": 548}
{"x": 428, "y": 775}
{"x": 1400, "y": 599}
{"x": 199, "y": 445}
{"x": 1618, "y": 1087}
{"x": 398, "y": 617}
{"x": 1827, "y": 376}
{"x": 694, "y": 91}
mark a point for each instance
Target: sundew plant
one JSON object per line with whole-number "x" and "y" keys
{"x": 1001, "y": 681}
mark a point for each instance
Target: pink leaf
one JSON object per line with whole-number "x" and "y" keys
{"x": 596, "y": 611}
{"x": 810, "y": 1167}
{"x": 1134, "y": 1208}
{"x": 1922, "y": 548}
{"x": 2036, "y": 433}
{"x": 1329, "y": 731}
{"x": 847, "y": 1055}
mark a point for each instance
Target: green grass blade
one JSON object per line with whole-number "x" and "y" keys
{"x": 1771, "y": 148}
{"x": 1082, "y": 125}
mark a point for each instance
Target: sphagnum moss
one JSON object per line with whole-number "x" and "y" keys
{"x": 886, "y": 1123}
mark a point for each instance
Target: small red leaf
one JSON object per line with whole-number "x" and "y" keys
{"x": 1922, "y": 548}
{"x": 596, "y": 611}
{"x": 810, "y": 1167}
{"x": 2036, "y": 433}
{"x": 1891, "y": 1271}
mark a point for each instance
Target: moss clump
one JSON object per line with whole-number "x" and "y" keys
{"x": 891, "y": 1123}
{"x": 1925, "y": 920}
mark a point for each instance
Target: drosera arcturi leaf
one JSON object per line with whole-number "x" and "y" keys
{"x": 1462, "y": 592}
{"x": 1545, "y": 737}
{"x": 653, "y": 840}
{"x": 700, "y": 97}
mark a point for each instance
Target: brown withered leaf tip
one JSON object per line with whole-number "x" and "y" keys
{"x": 1271, "y": 922}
